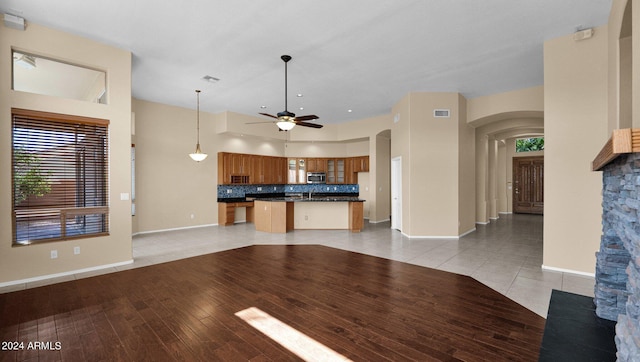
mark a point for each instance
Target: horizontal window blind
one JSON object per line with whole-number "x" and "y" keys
{"x": 60, "y": 177}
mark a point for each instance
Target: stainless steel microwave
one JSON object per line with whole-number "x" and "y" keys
{"x": 316, "y": 178}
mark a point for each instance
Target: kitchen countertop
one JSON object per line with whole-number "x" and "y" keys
{"x": 313, "y": 199}
{"x": 320, "y": 197}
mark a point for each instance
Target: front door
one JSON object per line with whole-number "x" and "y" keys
{"x": 528, "y": 182}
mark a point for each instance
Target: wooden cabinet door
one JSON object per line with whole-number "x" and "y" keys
{"x": 311, "y": 165}
{"x": 281, "y": 170}
{"x": 257, "y": 174}
{"x": 240, "y": 164}
{"x": 364, "y": 161}
{"x": 528, "y": 185}
{"x": 224, "y": 168}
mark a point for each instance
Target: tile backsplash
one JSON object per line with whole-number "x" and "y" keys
{"x": 239, "y": 191}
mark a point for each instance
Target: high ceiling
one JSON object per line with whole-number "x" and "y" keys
{"x": 357, "y": 55}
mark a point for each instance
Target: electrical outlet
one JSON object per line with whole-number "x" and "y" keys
{"x": 54, "y": 254}
{"x": 193, "y": 216}
{"x": 259, "y": 188}
{"x": 76, "y": 250}
{"x": 229, "y": 191}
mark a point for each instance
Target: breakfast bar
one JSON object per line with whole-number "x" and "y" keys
{"x": 283, "y": 214}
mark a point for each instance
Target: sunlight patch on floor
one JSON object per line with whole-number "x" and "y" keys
{"x": 298, "y": 343}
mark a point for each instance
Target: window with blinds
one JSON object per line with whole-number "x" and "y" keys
{"x": 60, "y": 183}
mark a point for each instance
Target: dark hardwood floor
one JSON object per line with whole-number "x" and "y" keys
{"x": 362, "y": 307}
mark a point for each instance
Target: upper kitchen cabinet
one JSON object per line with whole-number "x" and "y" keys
{"x": 336, "y": 170}
{"x": 239, "y": 169}
{"x": 360, "y": 164}
{"x": 316, "y": 165}
{"x": 297, "y": 171}
{"x": 233, "y": 168}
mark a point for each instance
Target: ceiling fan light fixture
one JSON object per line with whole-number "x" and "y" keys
{"x": 286, "y": 125}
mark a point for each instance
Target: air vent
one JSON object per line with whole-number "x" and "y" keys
{"x": 441, "y": 113}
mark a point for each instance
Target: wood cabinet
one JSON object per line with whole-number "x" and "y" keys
{"x": 227, "y": 212}
{"x": 273, "y": 217}
{"x": 233, "y": 168}
{"x": 244, "y": 169}
{"x": 355, "y": 165}
{"x": 316, "y": 165}
{"x": 336, "y": 170}
{"x": 239, "y": 169}
{"x": 297, "y": 171}
{"x": 360, "y": 164}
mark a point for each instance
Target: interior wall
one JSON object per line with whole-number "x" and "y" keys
{"x": 504, "y": 182}
{"x": 172, "y": 190}
{"x": 401, "y": 147}
{"x": 575, "y": 127}
{"x": 433, "y": 168}
{"x": 466, "y": 170}
{"x": 521, "y": 103}
{"x": 381, "y": 184}
{"x": 34, "y": 261}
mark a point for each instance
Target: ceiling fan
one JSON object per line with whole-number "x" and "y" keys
{"x": 285, "y": 119}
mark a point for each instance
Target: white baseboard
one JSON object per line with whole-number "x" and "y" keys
{"x": 569, "y": 271}
{"x": 64, "y": 274}
{"x": 172, "y": 229}
{"x": 505, "y": 212}
{"x": 483, "y": 222}
{"x": 378, "y": 221}
{"x": 467, "y": 232}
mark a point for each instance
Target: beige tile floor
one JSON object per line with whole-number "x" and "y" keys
{"x": 506, "y": 254}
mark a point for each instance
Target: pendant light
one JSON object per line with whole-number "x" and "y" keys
{"x": 198, "y": 155}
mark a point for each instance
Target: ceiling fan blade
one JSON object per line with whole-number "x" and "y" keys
{"x": 268, "y": 115}
{"x": 312, "y": 125}
{"x": 307, "y": 118}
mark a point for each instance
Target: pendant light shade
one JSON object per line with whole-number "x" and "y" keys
{"x": 198, "y": 155}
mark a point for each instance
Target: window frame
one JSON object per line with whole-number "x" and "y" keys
{"x": 63, "y": 212}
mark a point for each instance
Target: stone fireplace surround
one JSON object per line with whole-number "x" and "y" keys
{"x": 617, "y": 288}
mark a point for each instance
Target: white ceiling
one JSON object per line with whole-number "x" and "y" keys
{"x": 361, "y": 55}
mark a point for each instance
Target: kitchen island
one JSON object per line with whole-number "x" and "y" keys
{"x": 283, "y": 214}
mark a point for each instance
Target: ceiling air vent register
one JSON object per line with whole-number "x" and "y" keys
{"x": 442, "y": 113}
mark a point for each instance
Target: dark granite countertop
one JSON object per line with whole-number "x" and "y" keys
{"x": 313, "y": 199}
{"x": 298, "y": 197}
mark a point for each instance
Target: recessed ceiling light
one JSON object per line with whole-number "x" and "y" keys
{"x": 350, "y": 110}
{"x": 263, "y": 107}
{"x": 299, "y": 95}
{"x": 210, "y": 79}
{"x": 302, "y": 108}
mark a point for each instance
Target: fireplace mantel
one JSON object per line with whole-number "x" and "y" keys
{"x": 617, "y": 286}
{"x": 622, "y": 141}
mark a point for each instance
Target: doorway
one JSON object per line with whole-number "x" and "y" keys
{"x": 396, "y": 193}
{"x": 528, "y": 185}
